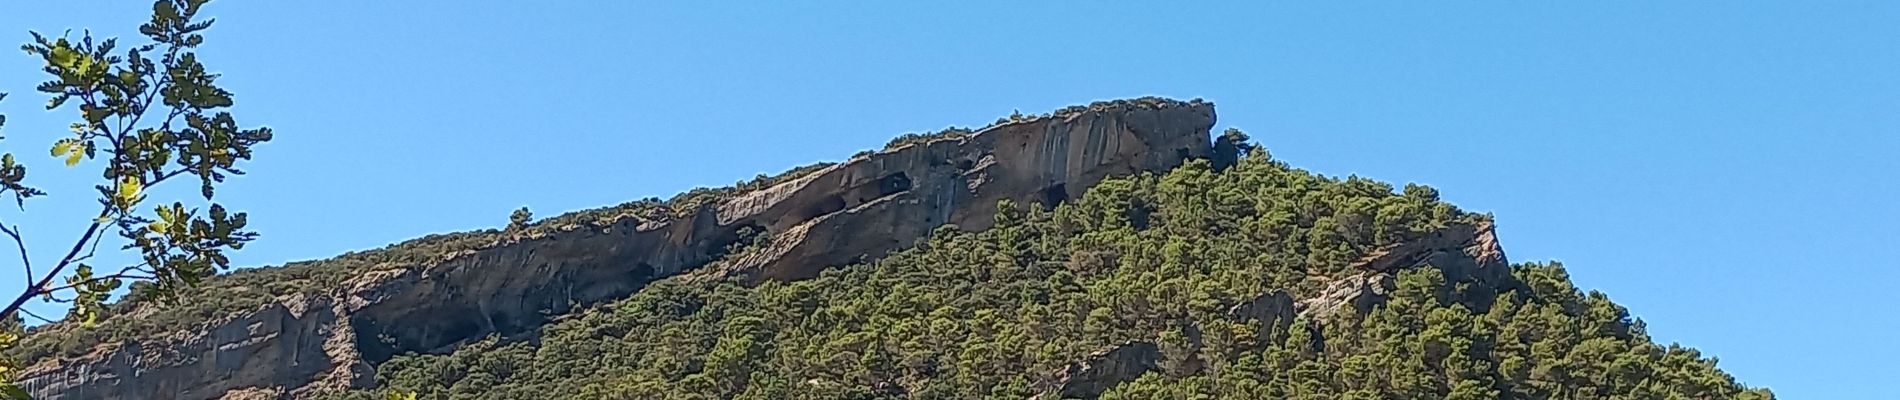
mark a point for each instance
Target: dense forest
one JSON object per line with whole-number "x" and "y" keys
{"x": 1155, "y": 259}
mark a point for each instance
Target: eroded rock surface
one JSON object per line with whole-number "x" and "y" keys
{"x": 1273, "y": 310}
{"x": 1465, "y": 252}
{"x": 1089, "y": 377}
{"x": 856, "y": 210}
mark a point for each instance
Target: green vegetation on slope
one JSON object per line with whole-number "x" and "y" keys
{"x": 927, "y": 137}
{"x": 989, "y": 314}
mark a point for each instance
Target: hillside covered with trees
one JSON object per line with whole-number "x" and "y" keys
{"x": 1155, "y": 259}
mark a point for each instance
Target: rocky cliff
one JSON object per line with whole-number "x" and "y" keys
{"x": 859, "y": 209}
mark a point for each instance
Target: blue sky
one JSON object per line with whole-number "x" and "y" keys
{"x": 1726, "y": 170}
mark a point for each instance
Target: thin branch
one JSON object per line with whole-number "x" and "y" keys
{"x": 119, "y": 275}
{"x": 17, "y": 241}
{"x": 87, "y": 99}
{"x": 72, "y": 256}
{"x": 168, "y": 175}
{"x": 173, "y": 116}
{"x": 92, "y": 251}
{"x": 38, "y": 287}
{"x": 35, "y": 316}
{"x": 70, "y": 253}
{"x": 146, "y": 106}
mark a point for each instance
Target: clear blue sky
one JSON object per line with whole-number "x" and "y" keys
{"x": 1726, "y": 170}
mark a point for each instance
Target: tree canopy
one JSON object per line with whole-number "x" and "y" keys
{"x": 147, "y": 114}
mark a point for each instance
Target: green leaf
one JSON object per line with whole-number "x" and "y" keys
{"x": 164, "y": 11}
{"x": 72, "y": 149}
{"x": 95, "y": 115}
{"x": 130, "y": 189}
{"x": 62, "y": 55}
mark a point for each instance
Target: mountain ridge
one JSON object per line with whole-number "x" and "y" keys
{"x": 327, "y": 339}
{"x": 1117, "y": 250}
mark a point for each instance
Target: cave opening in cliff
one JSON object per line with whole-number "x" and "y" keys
{"x": 444, "y": 336}
{"x": 893, "y": 184}
{"x": 748, "y": 236}
{"x": 1055, "y": 195}
{"x": 377, "y": 340}
{"x": 641, "y": 272}
{"x": 829, "y": 205}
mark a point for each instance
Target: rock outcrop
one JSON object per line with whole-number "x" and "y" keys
{"x": 1089, "y": 377}
{"x": 1273, "y": 310}
{"x": 856, "y": 210}
{"x": 887, "y": 201}
{"x": 1465, "y": 252}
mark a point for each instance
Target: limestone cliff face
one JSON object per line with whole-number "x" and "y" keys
{"x": 856, "y": 210}
{"x": 887, "y": 201}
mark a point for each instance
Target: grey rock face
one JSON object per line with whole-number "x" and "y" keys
{"x": 1464, "y": 252}
{"x": 1090, "y": 377}
{"x": 859, "y": 209}
{"x": 1273, "y": 310}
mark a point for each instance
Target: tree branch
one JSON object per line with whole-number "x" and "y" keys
{"x": 17, "y": 241}
{"x": 92, "y": 250}
{"x": 38, "y": 288}
{"x": 35, "y": 316}
{"x": 162, "y": 177}
{"x": 122, "y": 274}
{"x": 146, "y": 105}
{"x": 72, "y": 256}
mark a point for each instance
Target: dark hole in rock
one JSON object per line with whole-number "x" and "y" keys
{"x": 829, "y": 205}
{"x": 894, "y": 183}
{"x": 1055, "y": 194}
{"x": 641, "y": 272}
{"x": 748, "y": 235}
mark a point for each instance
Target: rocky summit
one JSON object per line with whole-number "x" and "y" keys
{"x": 852, "y": 211}
{"x": 1118, "y": 250}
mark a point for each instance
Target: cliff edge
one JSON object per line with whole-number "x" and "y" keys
{"x": 859, "y": 209}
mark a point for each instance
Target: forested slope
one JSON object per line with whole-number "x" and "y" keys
{"x": 1134, "y": 290}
